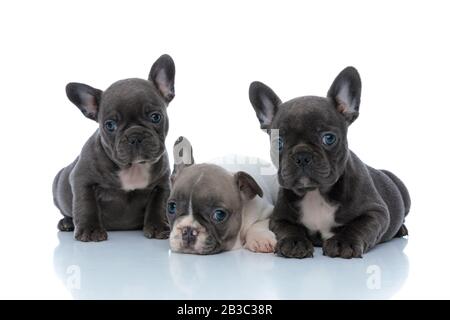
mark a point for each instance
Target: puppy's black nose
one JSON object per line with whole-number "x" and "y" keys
{"x": 135, "y": 138}
{"x": 303, "y": 159}
{"x": 189, "y": 235}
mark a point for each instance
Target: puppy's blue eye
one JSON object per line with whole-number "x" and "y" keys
{"x": 155, "y": 117}
{"x": 110, "y": 125}
{"x": 219, "y": 215}
{"x": 172, "y": 207}
{"x": 280, "y": 143}
{"x": 328, "y": 139}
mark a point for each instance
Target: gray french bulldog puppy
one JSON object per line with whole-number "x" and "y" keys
{"x": 212, "y": 209}
{"x": 328, "y": 197}
{"x": 120, "y": 181}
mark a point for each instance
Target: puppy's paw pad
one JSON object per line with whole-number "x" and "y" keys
{"x": 343, "y": 248}
{"x": 66, "y": 224}
{"x": 157, "y": 232}
{"x": 294, "y": 248}
{"x": 91, "y": 234}
{"x": 263, "y": 242}
{"x": 403, "y": 231}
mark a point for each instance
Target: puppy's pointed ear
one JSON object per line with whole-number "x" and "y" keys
{"x": 86, "y": 98}
{"x": 182, "y": 157}
{"x": 162, "y": 75}
{"x": 248, "y": 187}
{"x": 346, "y": 93}
{"x": 265, "y": 102}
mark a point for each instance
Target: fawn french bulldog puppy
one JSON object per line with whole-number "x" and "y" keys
{"x": 328, "y": 197}
{"x": 120, "y": 180}
{"x": 211, "y": 209}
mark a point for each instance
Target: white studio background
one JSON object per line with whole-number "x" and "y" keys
{"x": 400, "y": 48}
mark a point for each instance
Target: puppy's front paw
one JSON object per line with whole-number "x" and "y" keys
{"x": 263, "y": 241}
{"x": 87, "y": 234}
{"x": 342, "y": 247}
{"x": 294, "y": 248}
{"x": 157, "y": 231}
{"x": 66, "y": 224}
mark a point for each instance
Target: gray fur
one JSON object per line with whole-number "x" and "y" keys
{"x": 371, "y": 204}
{"x": 89, "y": 192}
{"x": 200, "y": 189}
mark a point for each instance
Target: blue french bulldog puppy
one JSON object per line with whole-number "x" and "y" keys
{"x": 328, "y": 197}
{"x": 120, "y": 180}
{"x": 220, "y": 205}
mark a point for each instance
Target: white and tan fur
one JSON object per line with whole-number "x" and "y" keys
{"x": 175, "y": 236}
{"x": 254, "y": 233}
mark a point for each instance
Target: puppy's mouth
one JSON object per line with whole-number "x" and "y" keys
{"x": 301, "y": 185}
{"x": 146, "y": 160}
{"x": 306, "y": 183}
{"x": 139, "y": 162}
{"x": 303, "y": 190}
{"x": 187, "y": 236}
{"x": 149, "y": 150}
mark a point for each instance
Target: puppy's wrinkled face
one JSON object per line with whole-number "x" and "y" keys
{"x": 131, "y": 113}
{"x": 133, "y": 122}
{"x": 204, "y": 210}
{"x": 309, "y": 134}
{"x": 312, "y": 143}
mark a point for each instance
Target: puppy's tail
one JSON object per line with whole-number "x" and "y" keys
{"x": 404, "y": 192}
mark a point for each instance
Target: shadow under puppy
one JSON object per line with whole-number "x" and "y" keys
{"x": 211, "y": 209}
{"x": 328, "y": 197}
{"x": 120, "y": 181}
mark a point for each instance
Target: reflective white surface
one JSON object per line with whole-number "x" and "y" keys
{"x": 297, "y": 48}
{"x": 129, "y": 266}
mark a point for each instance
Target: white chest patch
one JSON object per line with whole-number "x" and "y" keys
{"x": 318, "y": 214}
{"x": 135, "y": 177}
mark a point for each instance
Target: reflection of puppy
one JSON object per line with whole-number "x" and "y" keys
{"x": 114, "y": 269}
{"x": 380, "y": 275}
{"x": 212, "y": 210}
{"x": 328, "y": 196}
{"x": 97, "y": 272}
{"x": 121, "y": 178}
